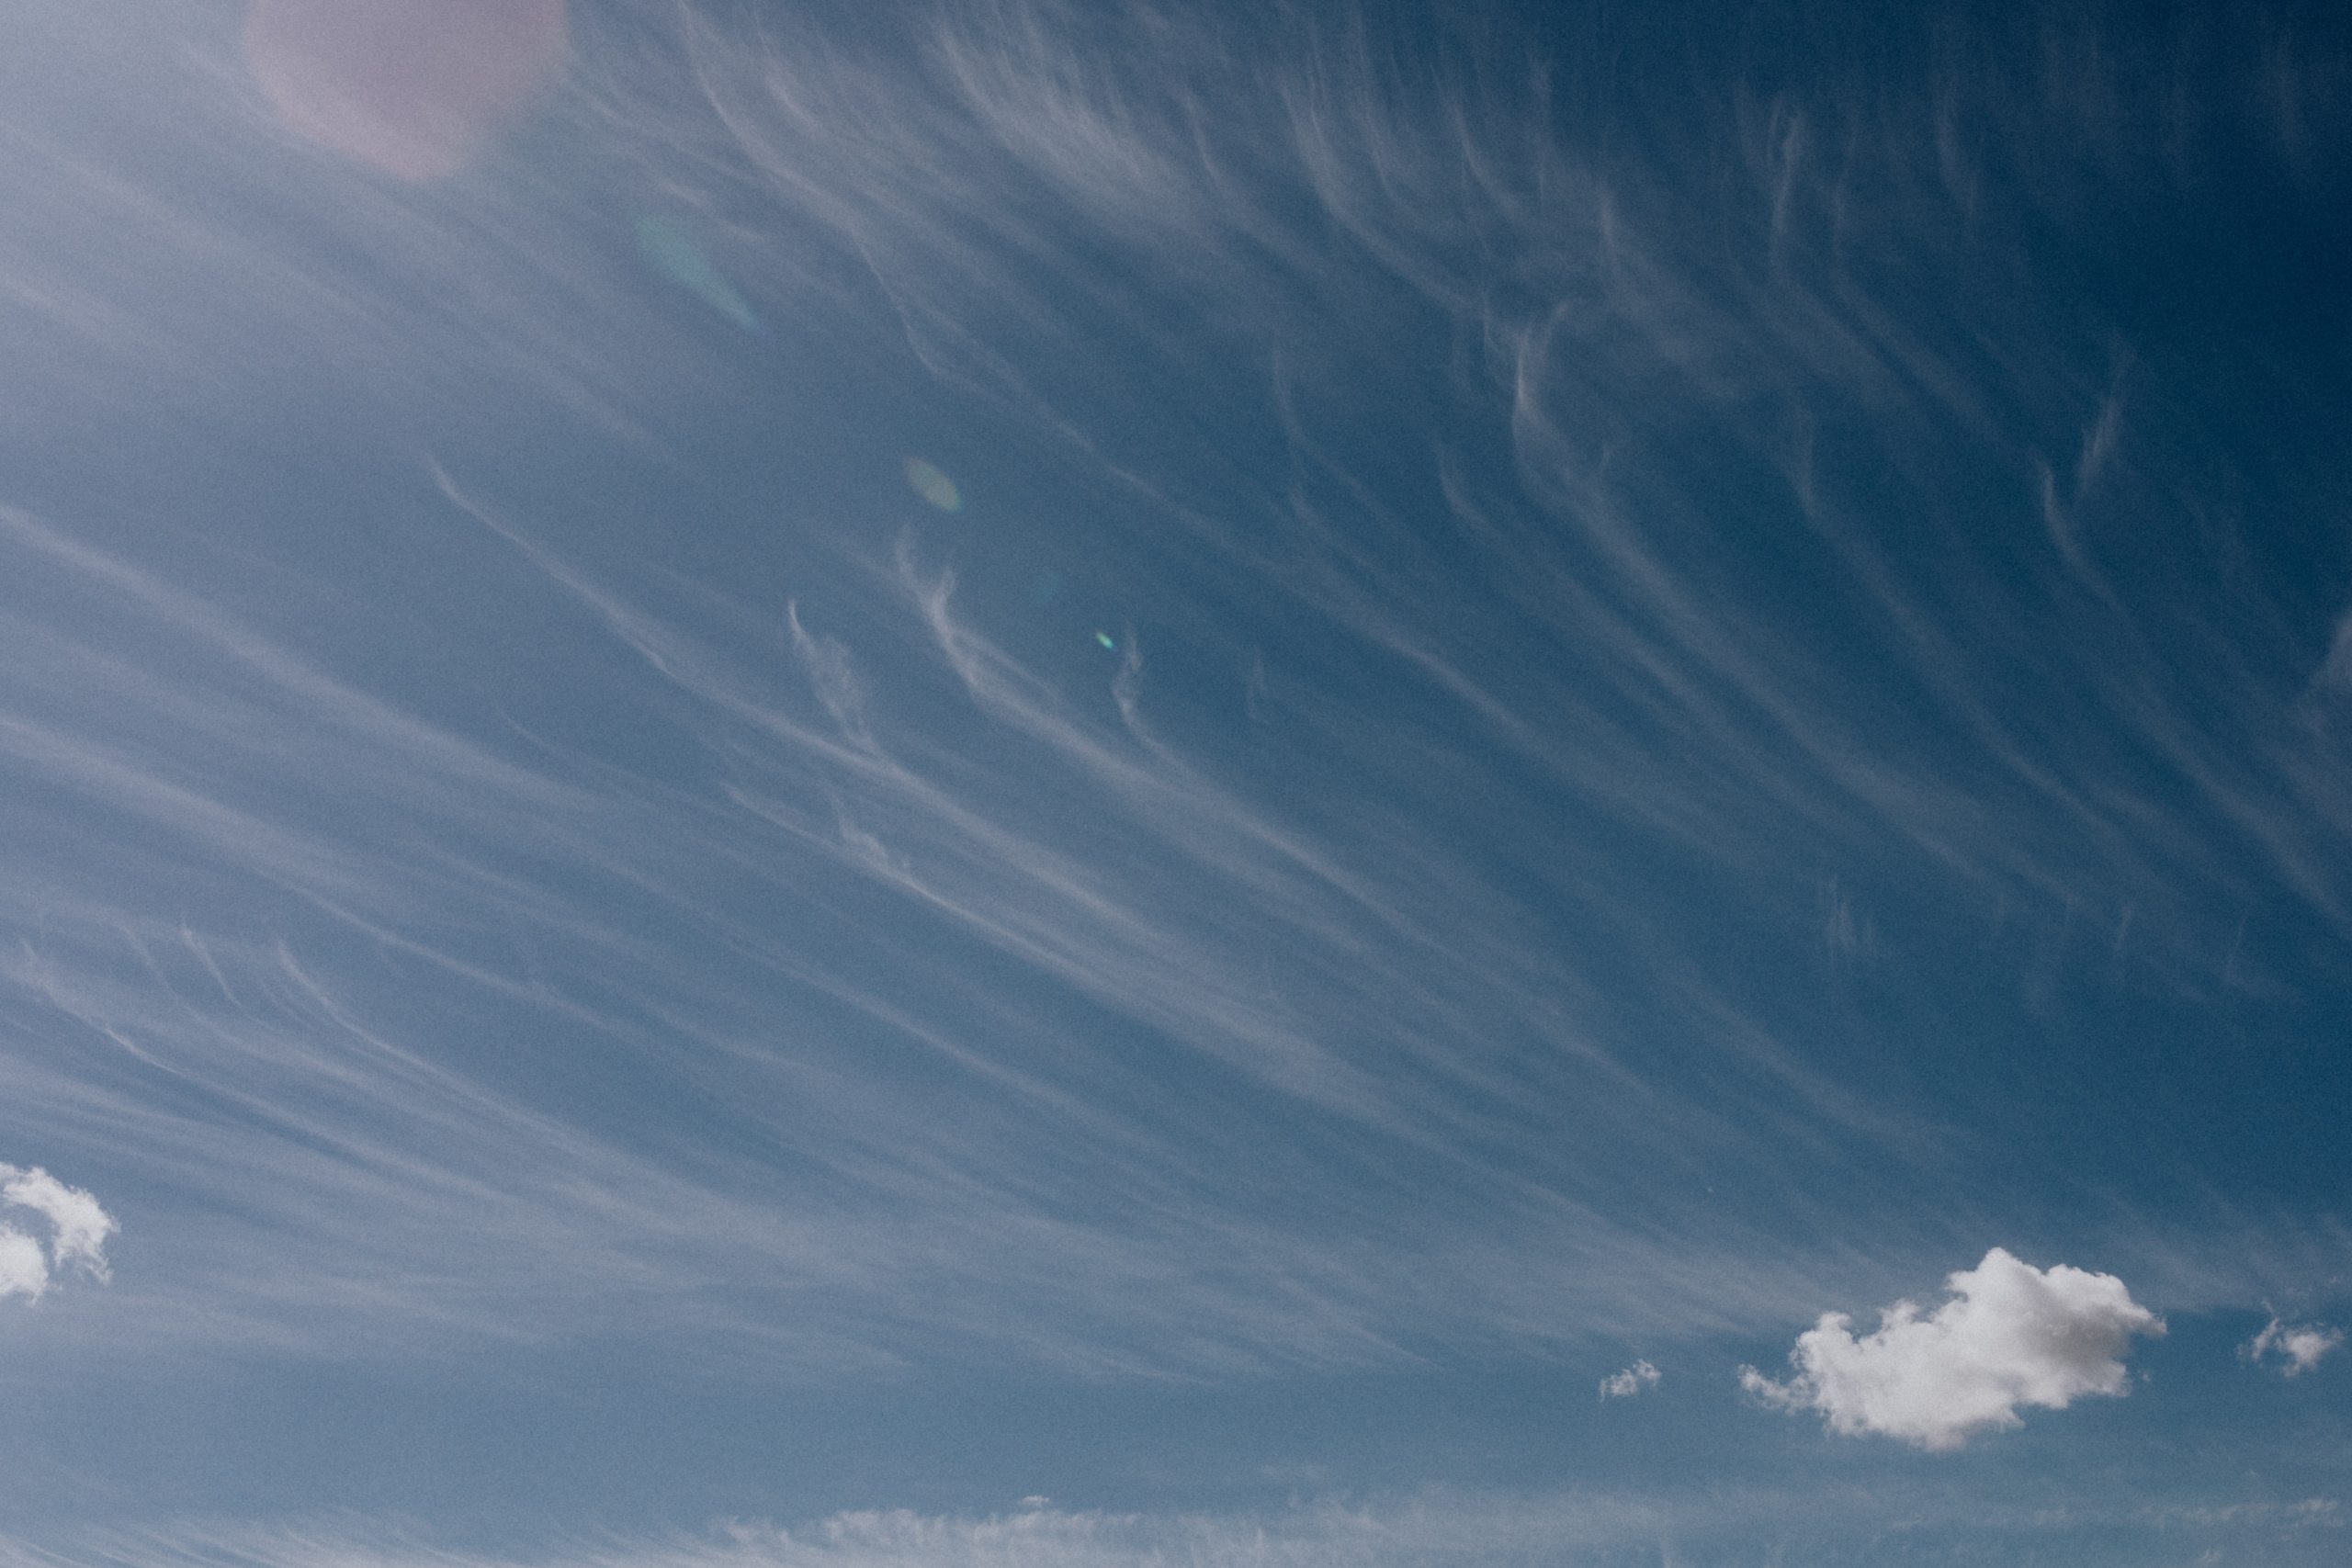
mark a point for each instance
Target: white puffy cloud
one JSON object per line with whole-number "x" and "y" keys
{"x": 78, "y": 1232}
{"x": 1629, "y": 1383}
{"x": 2298, "y": 1346}
{"x": 2012, "y": 1335}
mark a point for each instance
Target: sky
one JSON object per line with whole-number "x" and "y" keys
{"x": 830, "y": 783}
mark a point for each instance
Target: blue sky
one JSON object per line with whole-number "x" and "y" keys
{"x": 872, "y": 786}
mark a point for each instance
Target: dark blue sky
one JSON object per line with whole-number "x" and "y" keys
{"x": 839, "y": 786}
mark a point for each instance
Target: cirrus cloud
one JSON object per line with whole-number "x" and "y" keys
{"x": 2010, "y": 1336}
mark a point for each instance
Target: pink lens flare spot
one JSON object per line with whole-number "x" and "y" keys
{"x": 411, "y": 88}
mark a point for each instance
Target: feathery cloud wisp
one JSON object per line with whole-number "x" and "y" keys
{"x": 2012, "y": 1335}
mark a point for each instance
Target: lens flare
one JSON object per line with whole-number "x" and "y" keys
{"x": 411, "y": 88}
{"x": 933, "y": 486}
{"x": 670, "y": 249}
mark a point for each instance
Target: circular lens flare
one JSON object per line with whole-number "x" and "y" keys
{"x": 411, "y": 88}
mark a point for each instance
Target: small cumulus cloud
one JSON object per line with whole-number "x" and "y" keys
{"x": 1629, "y": 1383}
{"x": 2298, "y": 1347}
{"x": 78, "y": 1230}
{"x": 2010, "y": 1336}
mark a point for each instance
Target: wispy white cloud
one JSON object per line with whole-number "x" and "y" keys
{"x": 1634, "y": 1380}
{"x": 277, "y": 1093}
{"x": 2011, "y": 1336}
{"x": 2299, "y": 1347}
{"x": 1590, "y": 302}
{"x": 78, "y": 1229}
{"x": 23, "y": 1267}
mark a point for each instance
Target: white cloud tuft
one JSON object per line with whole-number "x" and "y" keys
{"x": 23, "y": 1272}
{"x": 1629, "y": 1383}
{"x": 2299, "y": 1346}
{"x": 2012, "y": 1335}
{"x": 78, "y": 1225}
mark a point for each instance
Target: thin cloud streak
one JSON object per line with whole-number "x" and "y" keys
{"x": 246, "y": 1068}
{"x": 1030, "y": 99}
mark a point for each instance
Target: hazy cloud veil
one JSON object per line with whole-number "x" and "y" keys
{"x": 840, "y": 761}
